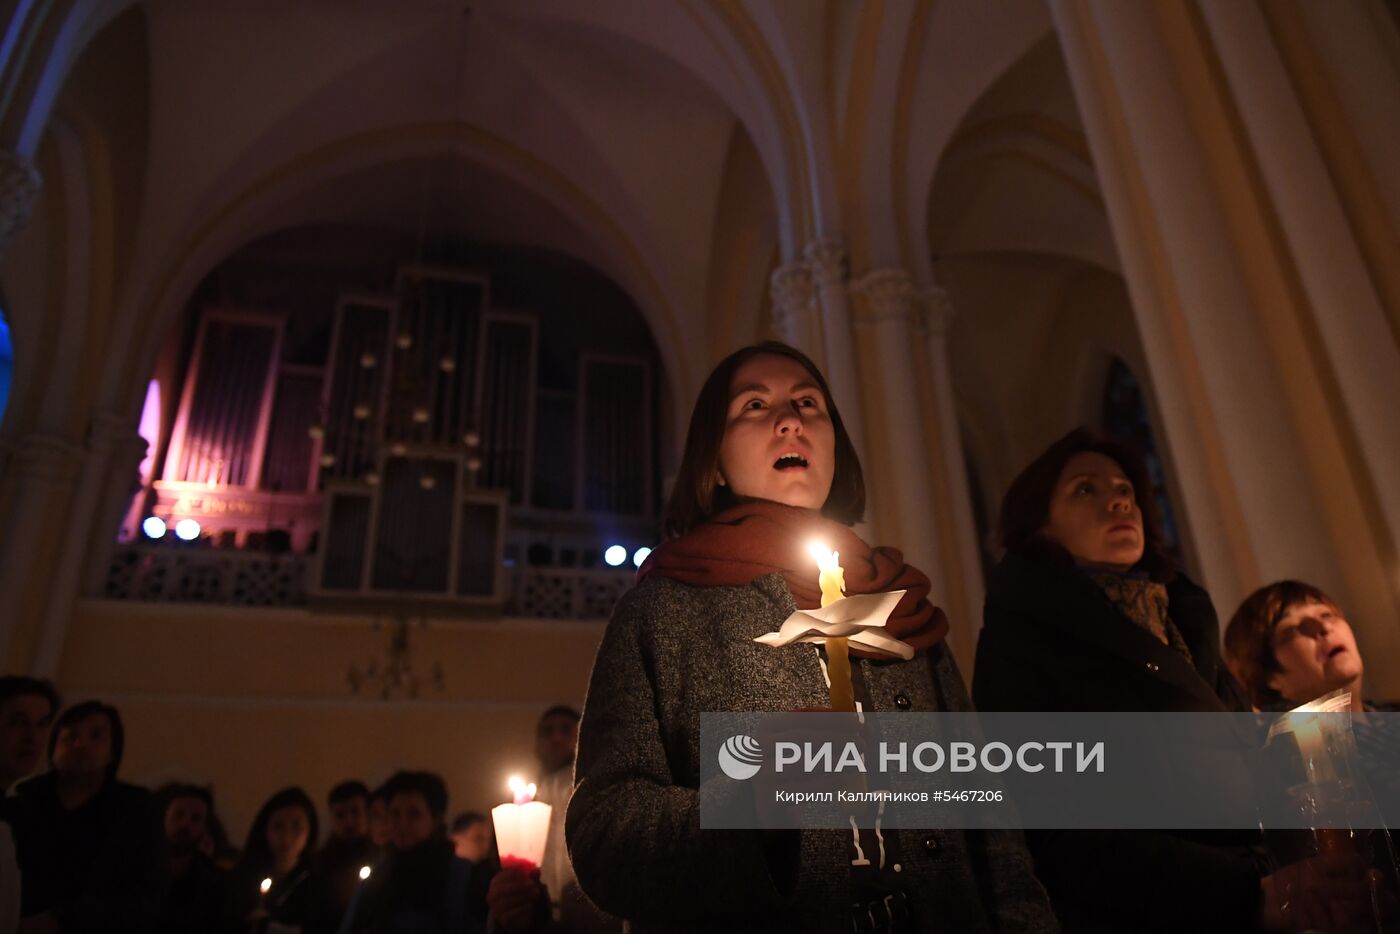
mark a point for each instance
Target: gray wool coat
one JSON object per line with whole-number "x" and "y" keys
{"x": 633, "y": 826}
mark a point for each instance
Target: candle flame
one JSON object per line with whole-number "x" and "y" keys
{"x": 266, "y": 884}
{"x": 826, "y": 559}
{"x": 364, "y": 872}
{"x": 523, "y": 793}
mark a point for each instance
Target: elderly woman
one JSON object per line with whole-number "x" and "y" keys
{"x": 1289, "y": 643}
{"x": 1086, "y": 613}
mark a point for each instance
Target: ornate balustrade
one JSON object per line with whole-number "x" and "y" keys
{"x": 231, "y": 577}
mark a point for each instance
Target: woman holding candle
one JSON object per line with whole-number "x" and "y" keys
{"x": 276, "y": 887}
{"x": 1087, "y": 613}
{"x": 1290, "y": 643}
{"x": 768, "y": 467}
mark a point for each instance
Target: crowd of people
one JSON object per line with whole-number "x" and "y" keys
{"x": 83, "y": 851}
{"x": 1086, "y": 611}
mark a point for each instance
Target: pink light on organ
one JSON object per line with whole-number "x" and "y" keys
{"x": 149, "y": 429}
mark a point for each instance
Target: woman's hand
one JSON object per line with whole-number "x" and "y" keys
{"x": 514, "y": 899}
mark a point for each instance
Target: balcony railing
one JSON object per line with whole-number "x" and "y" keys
{"x": 221, "y": 576}
{"x": 230, "y": 577}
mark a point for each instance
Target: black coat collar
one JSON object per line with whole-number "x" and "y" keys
{"x": 1030, "y": 588}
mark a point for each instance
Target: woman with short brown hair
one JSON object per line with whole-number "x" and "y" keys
{"x": 1289, "y": 643}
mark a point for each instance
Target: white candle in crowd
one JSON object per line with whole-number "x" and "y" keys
{"x": 522, "y": 826}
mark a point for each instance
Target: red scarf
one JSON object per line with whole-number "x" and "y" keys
{"x": 754, "y": 539}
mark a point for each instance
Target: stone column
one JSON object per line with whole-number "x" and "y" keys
{"x": 794, "y": 308}
{"x": 1330, "y": 200}
{"x": 885, "y": 309}
{"x": 19, "y": 190}
{"x": 933, "y": 323}
{"x": 827, "y": 262}
{"x": 42, "y": 473}
{"x": 1273, "y": 472}
{"x": 108, "y": 475}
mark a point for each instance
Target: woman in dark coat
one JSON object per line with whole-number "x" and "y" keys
{"x": 767, "y": 466}
{"x": 1086, "y": 613}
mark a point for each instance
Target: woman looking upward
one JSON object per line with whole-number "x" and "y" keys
{"x": 767, "y": 467}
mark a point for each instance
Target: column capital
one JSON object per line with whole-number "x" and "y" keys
{"x": 19, "y": 189}
{"x": 791, "y": 290}
{"x": 936, "y": 312}
{"x": 47, "y": 458}
{"x": 827, "y": 259}
{"x": 888, "y": 296}
{"x": 110, "y": 433}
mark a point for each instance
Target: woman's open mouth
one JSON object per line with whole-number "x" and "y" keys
{"x": 790, "y": 461}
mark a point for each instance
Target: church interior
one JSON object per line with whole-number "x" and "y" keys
{"x": 347, "y": 348}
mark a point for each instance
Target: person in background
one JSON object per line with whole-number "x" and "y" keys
{"x": 378, "y": 816}
{"x": 471, "y": 836}
{"x": 421, "y": 888}
{"x": 515, "y": 900}
{"x": 27, "y": 708}
{"x": 556, "y": 744}
{"x": 216, "y": 844}
{"x": 89, "y": 846}
{"x": 194, "y": 902}
{"x": 349, "y": 847}
{"x": 1290, "y": 643}
{"x": 349, "y": 806}
{"x": 281, "y": 849}
{"x": 1086, "y": 612}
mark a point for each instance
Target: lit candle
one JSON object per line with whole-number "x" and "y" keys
{"x": 832, "y": 580}
{"x": 521, "y": 827}
{"x": 255, "y": 919}
{"x": 1317, "y": 762}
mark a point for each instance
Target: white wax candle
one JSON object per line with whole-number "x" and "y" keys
{"x": 522, "y": 826}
